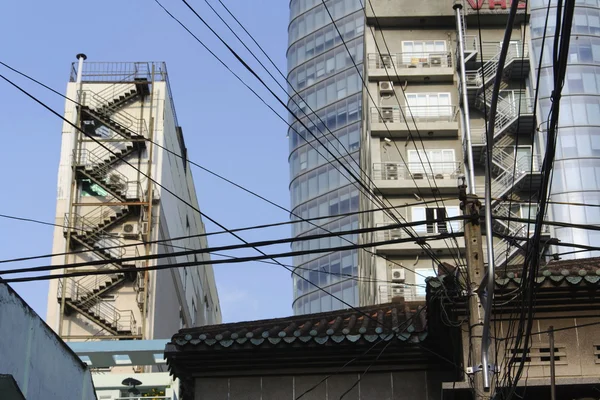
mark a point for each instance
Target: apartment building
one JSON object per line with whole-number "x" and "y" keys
{"x": 390, "y": 98}
{"x": 122, "y": 183}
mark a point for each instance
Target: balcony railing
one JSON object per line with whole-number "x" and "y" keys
{"x": 430, "y": 228}
{"x": 391, "y": 114}
{"x": 390, "y": 171}
{"x": 434, "y": 59}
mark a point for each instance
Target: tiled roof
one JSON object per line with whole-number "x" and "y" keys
{"x": 393, "y": 321}
{"x": 578, "y": 272}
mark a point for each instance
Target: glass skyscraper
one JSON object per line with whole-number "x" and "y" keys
{"x": 329, "y": 103}
{"x": 576, "y": 176}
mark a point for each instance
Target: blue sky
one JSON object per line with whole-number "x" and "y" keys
{"x": 226, "y": 128}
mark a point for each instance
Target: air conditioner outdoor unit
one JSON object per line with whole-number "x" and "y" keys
{"x": 386, "y": 61}
{"x": 398, "y": 275}
{"x": 395, "y": 233}
{"x": 386, "y": 87}
{"x": 387, "y": 114}
{"x": 397, "y": 290}
{"x": 391, "y": 171}
{"x": 131, "y": 230}
{"x": 435, "y": 61}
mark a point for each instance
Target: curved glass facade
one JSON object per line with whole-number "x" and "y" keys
{"x": 329, "y": 102}
{"x": 576, "y": 176}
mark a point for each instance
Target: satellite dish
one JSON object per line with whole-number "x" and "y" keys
{"x": 132, "y": 383}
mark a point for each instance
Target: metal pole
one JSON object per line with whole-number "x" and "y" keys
{"x": 552, "y": 366}
{"x": 80, "y": 58}
{"x": 465, "y": 98}
{"x": 489, "y": 297}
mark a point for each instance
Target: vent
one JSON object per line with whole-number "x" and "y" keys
{"x": 386, "y": 88}
{"x": 539, "y": 355}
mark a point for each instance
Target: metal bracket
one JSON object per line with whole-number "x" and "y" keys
{"x": 477, "y": 368}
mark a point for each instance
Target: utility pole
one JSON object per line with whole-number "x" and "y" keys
{"x": 471, "y": 207}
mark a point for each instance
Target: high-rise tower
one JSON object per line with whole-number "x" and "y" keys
{"x": 115, "y": 175}
{"x": 322, "y": 68}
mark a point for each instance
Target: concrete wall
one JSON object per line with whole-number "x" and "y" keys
{"x": 42, "y": 365}
{"x": 372, "y": 386}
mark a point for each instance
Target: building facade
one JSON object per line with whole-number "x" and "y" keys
{"x": 409, "y": 137}
{"x": 119, "y": 178}
{"x": 576, "y": 178}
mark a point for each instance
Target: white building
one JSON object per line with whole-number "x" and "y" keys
{"x": 114, "y": 202}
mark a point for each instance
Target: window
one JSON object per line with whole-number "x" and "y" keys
{"x": 415, "y": 52}
{"x": 430, "y": 106}
{"x": 432, "y": 215}
{"x": 438, "y": 163}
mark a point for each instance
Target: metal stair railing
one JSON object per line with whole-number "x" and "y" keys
{"x": 486, "y": 74}
{"x": 102, "y": 106}
{"x": 82, "y": 227}
{"x": 98, "y": 166}
{"x": 99, "y": 310}
{"x": 116, "y": 90}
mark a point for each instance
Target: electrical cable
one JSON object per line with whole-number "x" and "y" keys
{"x": 245, "y": 245}
{"x": 364, "y": 84}
{"x": 161, "y": 146}
{"x": 408, "y": 107}
{"x": 192, "y": 263}
{"x": 276, "y": 224}
{"x": 171, "y": 192}
{"x": 356, "y": 179}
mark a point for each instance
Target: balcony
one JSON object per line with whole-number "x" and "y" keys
{"x": 412, "y": 248}
{"x": 431, "y": 121}
{"x": 400, "y": 178}
{"x": 411, "y": 67}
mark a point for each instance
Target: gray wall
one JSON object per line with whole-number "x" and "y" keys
{"x": 41, "y": 364}
{"x": 418, "y": 385}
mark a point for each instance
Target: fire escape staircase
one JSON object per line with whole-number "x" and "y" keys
{"x": 514, "y": 115}
{"x": 91, "y": 230}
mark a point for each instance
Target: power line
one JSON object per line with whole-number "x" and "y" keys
{"x": 457, "y": 260}
{"x": 168, "y": 190}
{"x": 357, "y": 180}
{"x": 197, "y": 263}
{"x": 246, "y": 245}
{"x": 227, "y": 180}
{"x": 276, "y": 224}
{"x": 408, "y": 107}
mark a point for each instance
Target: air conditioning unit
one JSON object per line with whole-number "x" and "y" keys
{"x": 397, "y": 290}
{"x": 130, "y": 230}
{"x": 435, "y": 61}
{"x": 398, "y": 275}
{"x": 386, "y": 61}
{"x": 395, "y": 233}
{"x": 386, "y": 87}
{"x": 387, "y": 114}
{"x": 391, "y": 171}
